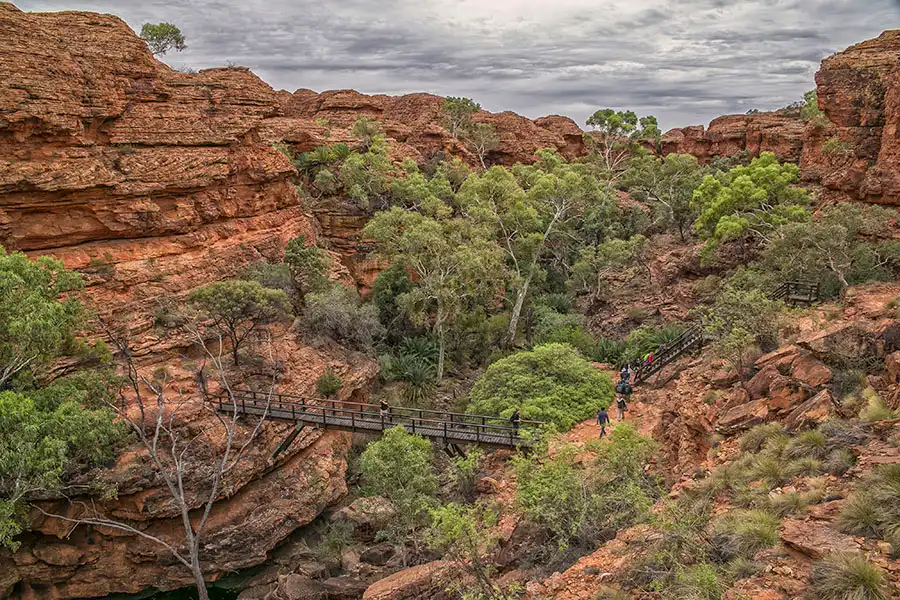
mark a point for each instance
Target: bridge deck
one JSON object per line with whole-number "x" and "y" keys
{"x": 350, "y": 416}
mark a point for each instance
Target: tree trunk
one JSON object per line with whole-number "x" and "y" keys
{"x": 440, "y": 365}
{"x": 202, "y": 594}
{"x": 517, "y": 312}
{"x": 234, "y": 353}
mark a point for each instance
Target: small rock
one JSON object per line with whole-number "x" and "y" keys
{"x": 885, "y": 548}
{"x": 815, "y": 539}
{"x": 811, "y": 371}
{"x": 783, "y": 571}
{"x": 487, "y": 485}
{"x": 378, "y": 555}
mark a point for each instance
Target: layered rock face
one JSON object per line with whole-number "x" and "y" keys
{"x": 732, "y": 134}
{"x": 859, "y": 91}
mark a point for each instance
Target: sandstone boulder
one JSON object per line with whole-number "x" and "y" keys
{"x": 743, "y": 417}
{"x": 810, "y": 371}
{"x": 422, "y": 582}
{"x": 487, "y": 485}
{"x": 378, "y": 555}
{"x": 369, "y": 515}
{"x": 298, "y": 587}
{"x": 786, "y": 393}
{"x": 892, "y": 366}
{"x": 758, "y": 386}
{"x": 814, "y": 538}
{"x": 812, "y": 412}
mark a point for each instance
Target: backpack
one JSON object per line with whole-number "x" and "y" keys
{"x": 621, "y": 387}
{"x": 620, "y": 402}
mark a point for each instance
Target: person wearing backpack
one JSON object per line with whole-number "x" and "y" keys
{"x": 623, "y": 392}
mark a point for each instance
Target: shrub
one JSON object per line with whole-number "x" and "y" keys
{"x": 336, "y": 537}
{"x": 848, "y": 577}
{"x": 698, "y": 582}
{"x": 648, "y": 338}
{"x": 608, "y": 351}
{"x": 308, "y": 265}
{"x": 339, "y": 314}
{"x": 742, "y": 533}
{"x": 328, "y": 384}
{"x": 843, "y": 434}
{"x": 773, "y": 470}
{"x": 464, "y": 472}
{"x": 273, "y": 276}
{"x": 873, "y": 509}
{"x": 839, "y": 461}
{"x": 756, "y": 438}
{"x": 581, "y": 506}
{"x": 551, "y": 383}
{"x": 876, "y": 409}
{"x": 423, "y": 348}
{"x": 417, "y": 375}
{"x": 809, "y": 444}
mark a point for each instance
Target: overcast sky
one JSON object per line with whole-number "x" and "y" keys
{"x": 686, "y": 61}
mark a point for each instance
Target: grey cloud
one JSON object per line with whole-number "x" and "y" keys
{"x": 686, "y": 61}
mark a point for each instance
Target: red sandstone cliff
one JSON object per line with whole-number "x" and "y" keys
{"x": 859, "y": 90}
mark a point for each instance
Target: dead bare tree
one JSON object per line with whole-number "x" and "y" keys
{"x": 150, "y": 411}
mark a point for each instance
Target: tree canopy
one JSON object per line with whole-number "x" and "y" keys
{"x": 162, "y": 37}
{"x": 37, "y": 321}
{"x": 551, "y": 383}
{"x": 239, "y": 309}
{"x": 751, "y": 200}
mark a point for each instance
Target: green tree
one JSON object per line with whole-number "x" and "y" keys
{"x": 364, "y": 176}
{"x": 551, "y": 383}
{"x": 749, "y": 202}
{"x": 527, "y": 222}
{"x": 238, "y": 309}
{"x": 390, "y": 285}
{"x": 453, "y": 261}
{"x": 842, "y": 245}
{"x": 467, "y": 535}
{"x": 739, "y": 319}
{"x": 668, "y": 184}
{"x": 399, "y": 467}
{"x": 41, "y": 447}
{"x": 596, "y": 263}
{"x": 482, "y": 139}
{"x": 458, "y": 113}
{"x": 368, "y": 131}
{"x": 162, "y": 37}
{"x": 308, "y": 264}
{"x": 37, "y": 319}
{"x": 615, "y": 140}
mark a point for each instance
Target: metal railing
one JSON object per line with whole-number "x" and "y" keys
{"x": 356, "y": 416}
{"x": 798, "y": 291}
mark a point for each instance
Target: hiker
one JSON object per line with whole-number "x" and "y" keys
{"x": 602, "y": 421}
{"x": 621, "y": 407}
{"x": 623, "y": 393}
{"x": 514, "y": 419}
{"x": 625, "y": 373}
{"x": 385, "y": 410}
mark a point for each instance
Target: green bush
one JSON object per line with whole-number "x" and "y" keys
{"x": 338, "y": 313}
{"x": 698, "y": 582}
{"x": 648, "y": 338}
{"x": 876, "y": 409}
{"x": 848, "y": 577}
{"x": 550, "y": 383}
{"x": 336, "y": 537}
{"x": 742, "y": 533}
{"x": 873, "y": 510}
{"x": 417, "y": 375}
{"x": 755, "y": 439}
{"x": 839, "y": 461}
{"x": 809, "y": 444}
{"x": 582, "y": 505}
{"x": 328, "y": 384}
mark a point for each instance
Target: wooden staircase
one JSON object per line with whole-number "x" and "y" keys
{"x": 792, "y": 292}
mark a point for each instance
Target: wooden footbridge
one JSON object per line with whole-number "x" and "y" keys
{"x": 792, "y": 292}
{"x": 448, "y": 428}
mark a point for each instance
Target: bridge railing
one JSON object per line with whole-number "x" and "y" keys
{"x": 367, "y": 417}
{"x": 798, "y": 291}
